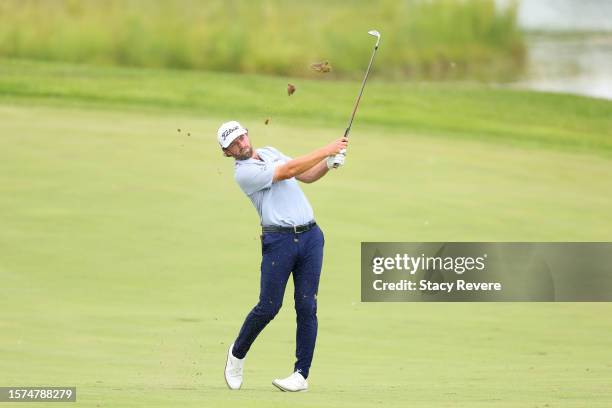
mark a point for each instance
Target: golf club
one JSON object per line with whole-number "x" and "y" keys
{"x": 376, "y": 34}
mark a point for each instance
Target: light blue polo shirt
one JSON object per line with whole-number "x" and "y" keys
{"x": 279, "y": 204}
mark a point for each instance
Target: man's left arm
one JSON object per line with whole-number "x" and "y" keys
{"x": 315, "y": 173}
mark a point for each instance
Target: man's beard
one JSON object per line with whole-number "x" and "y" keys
{"x": 247, "y": 153}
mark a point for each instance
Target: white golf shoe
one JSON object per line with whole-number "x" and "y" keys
{"x": 233, "y": 370}
{"x": 294, "y": 383}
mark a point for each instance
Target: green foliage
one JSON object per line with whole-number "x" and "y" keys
{"x": 433, "y": 39}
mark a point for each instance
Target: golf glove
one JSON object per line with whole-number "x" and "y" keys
{"x": 337, "y": 160}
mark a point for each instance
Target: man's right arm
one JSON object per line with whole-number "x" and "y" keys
{"x": 304, "y": 163}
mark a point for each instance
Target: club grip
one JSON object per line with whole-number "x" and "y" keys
{"x": 346, "y": 132}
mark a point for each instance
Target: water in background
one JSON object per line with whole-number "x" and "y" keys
{"x": 579, "y": 64}
{"x": 572, "y": 50}
{"x": 565, "y": 15}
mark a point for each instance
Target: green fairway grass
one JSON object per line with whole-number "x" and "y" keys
{"x": 129, "y": 257}
{"x": 450, "y": 110}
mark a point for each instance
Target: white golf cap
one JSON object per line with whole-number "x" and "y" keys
{"x": 228, "y": 132}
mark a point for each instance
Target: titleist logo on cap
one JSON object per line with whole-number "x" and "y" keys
{"x": 226, "y": 133}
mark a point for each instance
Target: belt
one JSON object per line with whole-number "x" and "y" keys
{"x": 296, "y": 229}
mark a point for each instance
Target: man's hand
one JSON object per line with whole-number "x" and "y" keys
{"x": 337, "y": 160}
{"x": 336, "y": 146}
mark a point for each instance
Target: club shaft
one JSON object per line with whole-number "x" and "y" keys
{"x": 365, "y": 78}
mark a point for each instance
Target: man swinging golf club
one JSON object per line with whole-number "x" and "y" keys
{"x": 291, "y": 243}
{"x": 291, "y": 240}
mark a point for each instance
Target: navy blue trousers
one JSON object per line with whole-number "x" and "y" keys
{"x": 284, "y": 253}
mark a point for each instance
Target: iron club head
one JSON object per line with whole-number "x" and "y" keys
{"x": 376, "y": 34}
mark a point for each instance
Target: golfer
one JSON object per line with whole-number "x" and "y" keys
{"x": 291, "y": 243}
